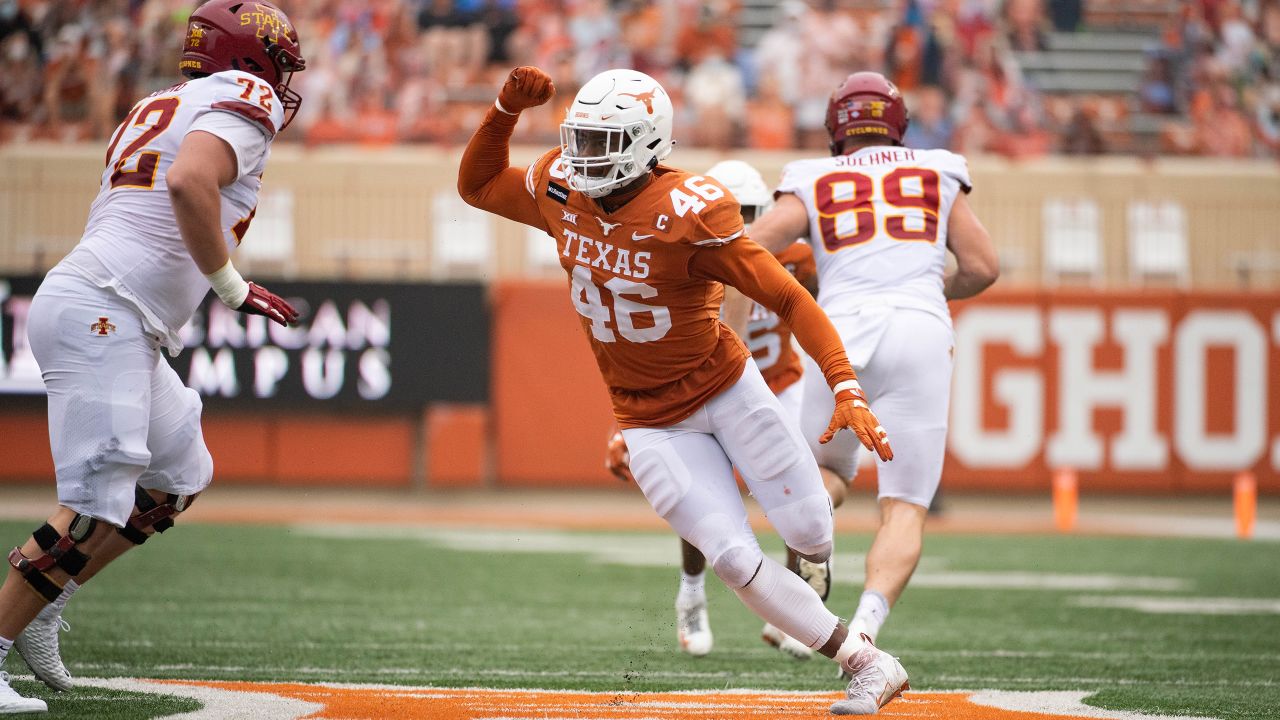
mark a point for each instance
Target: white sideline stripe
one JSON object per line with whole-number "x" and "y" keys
{"x": 1107, "y": 682}
{"x": 1044, "y": 581}
{"x": 218, "y": 704}
{"x": 1191, "y": 526}
{"x": 751, "y": 652}
{"x": 1183, "y": 605}
{"x": 1066, "y": 702}
{"x": 659, "y": 550}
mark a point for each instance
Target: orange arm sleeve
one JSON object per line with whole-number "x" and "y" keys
{"x": 486, "y": 179}
{"x": 758, "y": 275}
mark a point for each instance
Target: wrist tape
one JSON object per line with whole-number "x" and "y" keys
{"x": 229, "y": 286}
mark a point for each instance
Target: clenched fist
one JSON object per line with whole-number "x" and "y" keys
{"x": 617, "y": 458}
{"x": 526, "y": 87}
{"x": 853, "y": 412}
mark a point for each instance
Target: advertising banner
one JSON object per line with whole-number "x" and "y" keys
{"x": 1152, "y": 391}
{"x": 1155, "y": 390}
{"x": 358, "y": 346}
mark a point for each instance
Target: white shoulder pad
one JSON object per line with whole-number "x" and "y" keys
{"x": 950, "y": 164}
{"x": 242, "y": 94}
{"x": 798, "y": 175}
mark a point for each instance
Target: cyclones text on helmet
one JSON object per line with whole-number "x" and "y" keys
{"x": 866, "y": 103}
{"x": 254, "y": 37}
{"x": 617, "y": 129}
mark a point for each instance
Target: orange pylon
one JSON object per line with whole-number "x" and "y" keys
{"x": 1245, "y": 493}
{"x": 1066, "y": 499}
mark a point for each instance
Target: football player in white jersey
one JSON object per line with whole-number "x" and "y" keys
{"x": 179, "y": 189}
{"x": 881, "y": 219}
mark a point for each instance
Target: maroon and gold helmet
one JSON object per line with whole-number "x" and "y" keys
{"x": 254, "y": 37}
{"x": 866, "y": 103}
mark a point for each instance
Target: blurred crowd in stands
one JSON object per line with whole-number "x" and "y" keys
{"x": 384, "y": 71}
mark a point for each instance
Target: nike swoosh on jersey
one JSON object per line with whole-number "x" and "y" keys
{"x": 637, "y": 237}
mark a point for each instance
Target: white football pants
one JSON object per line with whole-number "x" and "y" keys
{"x": 903, "y": 358}
{"x": 686, "y": 474}
{"x": 119, "y": 416}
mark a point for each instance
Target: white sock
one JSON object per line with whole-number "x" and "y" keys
{"x": 780, "y": 598}
{"x": 693, "y": 586}
{"x": 5, "y": 644}
{"x": 873, "y": 610}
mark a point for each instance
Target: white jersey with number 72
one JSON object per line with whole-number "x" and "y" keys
{"x": 131, "y": 241}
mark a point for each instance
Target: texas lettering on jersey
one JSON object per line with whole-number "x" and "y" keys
{"x": 630, "y": 281}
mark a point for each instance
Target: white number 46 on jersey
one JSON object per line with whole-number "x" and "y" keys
{"x": 700, "y": 193}
{"x": 588, "y": 300}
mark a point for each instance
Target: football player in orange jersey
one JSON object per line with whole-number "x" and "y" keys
{"x": 769, "y": 340}
{"x": 647, "y": 247}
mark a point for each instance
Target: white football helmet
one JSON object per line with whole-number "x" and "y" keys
{"x": 747, "y": 186}
{"x": 617, "y": 129}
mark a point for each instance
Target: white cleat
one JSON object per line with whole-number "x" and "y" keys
{"x": 784, "y": 642}
{"x": 38, "y": 646}
{"x": 11, "y": 703}
{"x": 818, "y": 575}
{"x": 878, "y": 678}
{"x": 693, "y": 628}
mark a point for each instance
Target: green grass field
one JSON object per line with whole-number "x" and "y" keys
{"x": 593, "y": 611}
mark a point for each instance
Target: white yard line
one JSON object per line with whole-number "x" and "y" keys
{"x": 657, "y": 550}
{"x": 1182, "y": 605}
{"x": 1067, "y": 702}
{"x": 218, "y": 704}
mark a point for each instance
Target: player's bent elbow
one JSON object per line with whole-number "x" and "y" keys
{"x": 472, "y": 196}
{"x": 987, "y": 275}
{"x": 972, "y": 280}
{"x": 183, "y": 182}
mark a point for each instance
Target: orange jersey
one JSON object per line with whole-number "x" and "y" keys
{"x": 646, "y": 278}
{"x": 769, "y": 338}
{"x": 654, "y": 324}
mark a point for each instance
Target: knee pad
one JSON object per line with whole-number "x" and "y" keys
{"x": 806, "y": 526}
{"x": 58, "y": 551}
{"x": 730, "y": 548}
{"x": 738, "y": 565}
{"x": 153, "y": 515}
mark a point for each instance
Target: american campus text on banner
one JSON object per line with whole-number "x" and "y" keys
{"x": 360, "y": 346}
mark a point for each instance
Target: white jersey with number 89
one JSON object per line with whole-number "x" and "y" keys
{"x": 878, "y": 224}
{"x": 131, "y": 242}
